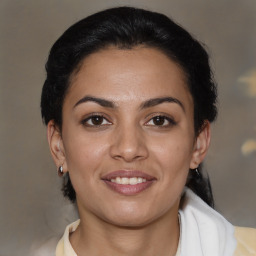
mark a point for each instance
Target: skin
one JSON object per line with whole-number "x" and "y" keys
{"x": 128, "y": 138}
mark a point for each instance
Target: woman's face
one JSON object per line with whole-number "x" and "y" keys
{"x": 128, "y": 136}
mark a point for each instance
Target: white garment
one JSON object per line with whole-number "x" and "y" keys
{"x": 204, "y": 232}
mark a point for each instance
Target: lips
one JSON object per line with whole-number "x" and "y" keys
{"x": 128, "y": 182}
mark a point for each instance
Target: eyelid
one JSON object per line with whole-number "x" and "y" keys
{"x": 169, "y": 118}
{"x": 95, "y": 114}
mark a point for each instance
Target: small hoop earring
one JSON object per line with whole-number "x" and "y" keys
{"x": 60, "y": 171}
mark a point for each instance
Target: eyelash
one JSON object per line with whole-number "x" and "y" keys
{"x": 105, "y": 122}
{"x": 167, "y": 121}
{"x": 89, "y": 121}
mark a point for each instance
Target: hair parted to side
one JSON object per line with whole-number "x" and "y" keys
{"x": 125, "y": 28}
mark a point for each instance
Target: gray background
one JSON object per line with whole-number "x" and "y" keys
{"x": 32, "y": 210}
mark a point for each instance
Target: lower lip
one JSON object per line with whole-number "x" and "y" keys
{"x": 129, "y": 190}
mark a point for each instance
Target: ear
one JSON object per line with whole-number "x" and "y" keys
{"x": 56, "y": 145}
{"x": 201, "y": 146}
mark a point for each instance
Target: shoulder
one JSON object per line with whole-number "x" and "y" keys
{"x": 246, "y": 241}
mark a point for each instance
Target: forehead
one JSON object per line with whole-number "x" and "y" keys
{"x": 129, "y": 74}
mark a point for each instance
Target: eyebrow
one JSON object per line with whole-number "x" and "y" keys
{"x": 100, "y": 101}
{"x": 147, "y": 104}
{"x": 153, "y": 102}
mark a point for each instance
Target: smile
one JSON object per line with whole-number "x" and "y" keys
{"x": 128, "y": 182}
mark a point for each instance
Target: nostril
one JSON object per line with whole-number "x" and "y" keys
{"x": 128, "y": 157}
{"x": 128, "y": 144}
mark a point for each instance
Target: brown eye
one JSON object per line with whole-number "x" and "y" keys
{"x": 161, "y": 121}
{"x": 96, "y": 120}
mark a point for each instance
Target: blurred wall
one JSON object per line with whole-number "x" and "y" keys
{"x": 32, "y": 210}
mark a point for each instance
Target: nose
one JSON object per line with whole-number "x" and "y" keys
{"x": 129, "y": 144}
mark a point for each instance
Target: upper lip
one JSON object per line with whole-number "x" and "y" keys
{"x": 127, "y": 174}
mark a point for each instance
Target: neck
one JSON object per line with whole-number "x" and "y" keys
{"x": 98, "y": 237}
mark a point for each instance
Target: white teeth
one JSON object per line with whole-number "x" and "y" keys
{"x": 125, "y": 181}
{"x": 133, "y": 181}
{"x": 140, "y": 180}
{"x": 128, "y": 181}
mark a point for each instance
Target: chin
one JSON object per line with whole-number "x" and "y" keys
{"x": 132, "y": 215}
{"x": 130, "y": 221}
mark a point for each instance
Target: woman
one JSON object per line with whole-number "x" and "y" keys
{"x": 128, "y": 101}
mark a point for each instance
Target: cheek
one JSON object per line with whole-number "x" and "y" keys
{"x": 173, "y": 156}
{"x": 84, "y": 153}
{"x": 173, "y": 159}
{"x": 84, "y": 158}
